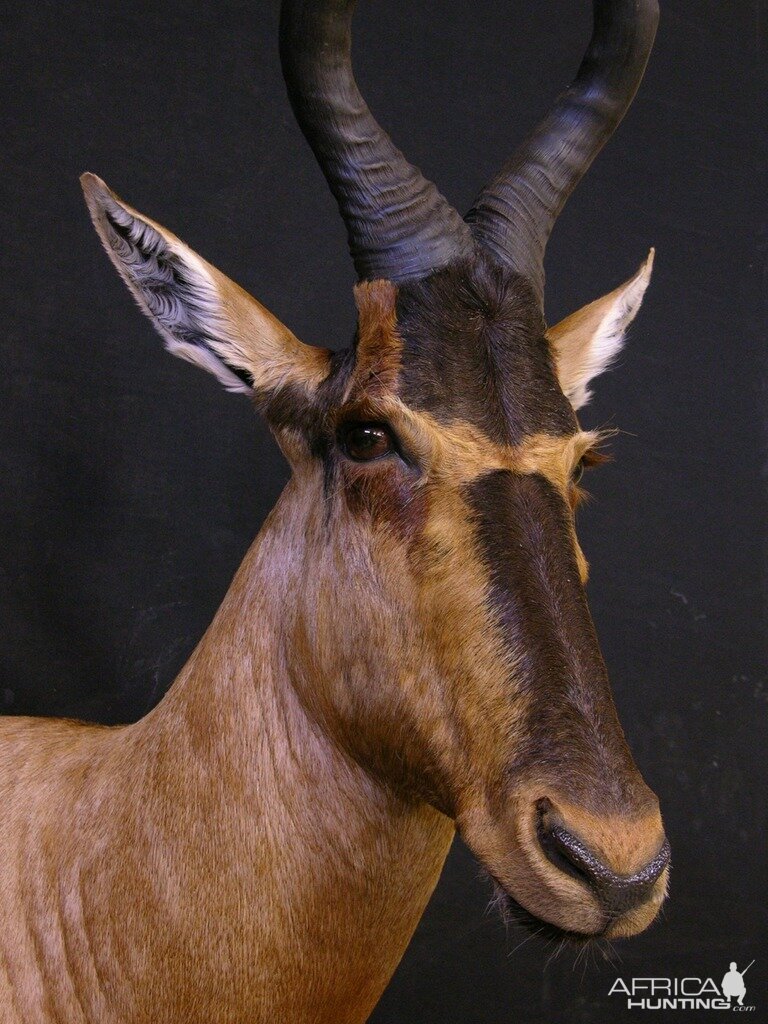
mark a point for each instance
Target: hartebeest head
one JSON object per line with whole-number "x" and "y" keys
{"x": 441, "y": 633}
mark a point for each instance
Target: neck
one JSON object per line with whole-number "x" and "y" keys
{"x": 318, "y": 873}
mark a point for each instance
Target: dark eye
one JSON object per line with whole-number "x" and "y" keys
{"x": 578, "y": 472}
{"x": 366, "y": 441}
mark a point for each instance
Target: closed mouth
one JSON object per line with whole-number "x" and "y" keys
{"x": 513, "y": 912}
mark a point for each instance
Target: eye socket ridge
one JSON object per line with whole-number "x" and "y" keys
{"x": 367, "y": 441}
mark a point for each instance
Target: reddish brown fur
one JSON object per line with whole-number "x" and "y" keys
{"x": 379, "y": 349}
{"x": 218, "y": 861}
{"x": 261, "y": 846}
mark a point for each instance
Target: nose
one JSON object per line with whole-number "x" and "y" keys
{"x": 617, "y": 893}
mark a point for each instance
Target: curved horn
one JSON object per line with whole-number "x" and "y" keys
{"x": 399, "y": 225}
{"x": 514, "y": 215}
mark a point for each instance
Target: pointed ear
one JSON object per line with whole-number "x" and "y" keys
{"x": 587, "y": 341}
{"x": 202, "y": 315}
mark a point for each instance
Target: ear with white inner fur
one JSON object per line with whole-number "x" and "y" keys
{"x": 202, "y": 315}
{"x": 587, "y": 341}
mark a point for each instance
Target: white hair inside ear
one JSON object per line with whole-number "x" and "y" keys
{"x": 168, "y": 281}
{"x": 586, "y": 342}
{"x": 202, "y": 316}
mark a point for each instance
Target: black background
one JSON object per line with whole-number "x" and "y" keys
{"x": 132, "y": 484}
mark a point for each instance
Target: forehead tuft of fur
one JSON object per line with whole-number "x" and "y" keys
{"x": 379, "y": 348}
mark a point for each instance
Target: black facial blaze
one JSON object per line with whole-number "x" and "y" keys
{"x": 524, "y": 539}
{"x": 474, "y": 350}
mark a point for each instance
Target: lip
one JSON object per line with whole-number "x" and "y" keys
{"x": 513, "y": 911}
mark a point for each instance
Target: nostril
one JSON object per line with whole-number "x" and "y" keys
{"x": 566, "y": 852}
{"x": 617, "y": 893}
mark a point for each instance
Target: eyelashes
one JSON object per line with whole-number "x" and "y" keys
{"x": 593, "y": 457}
